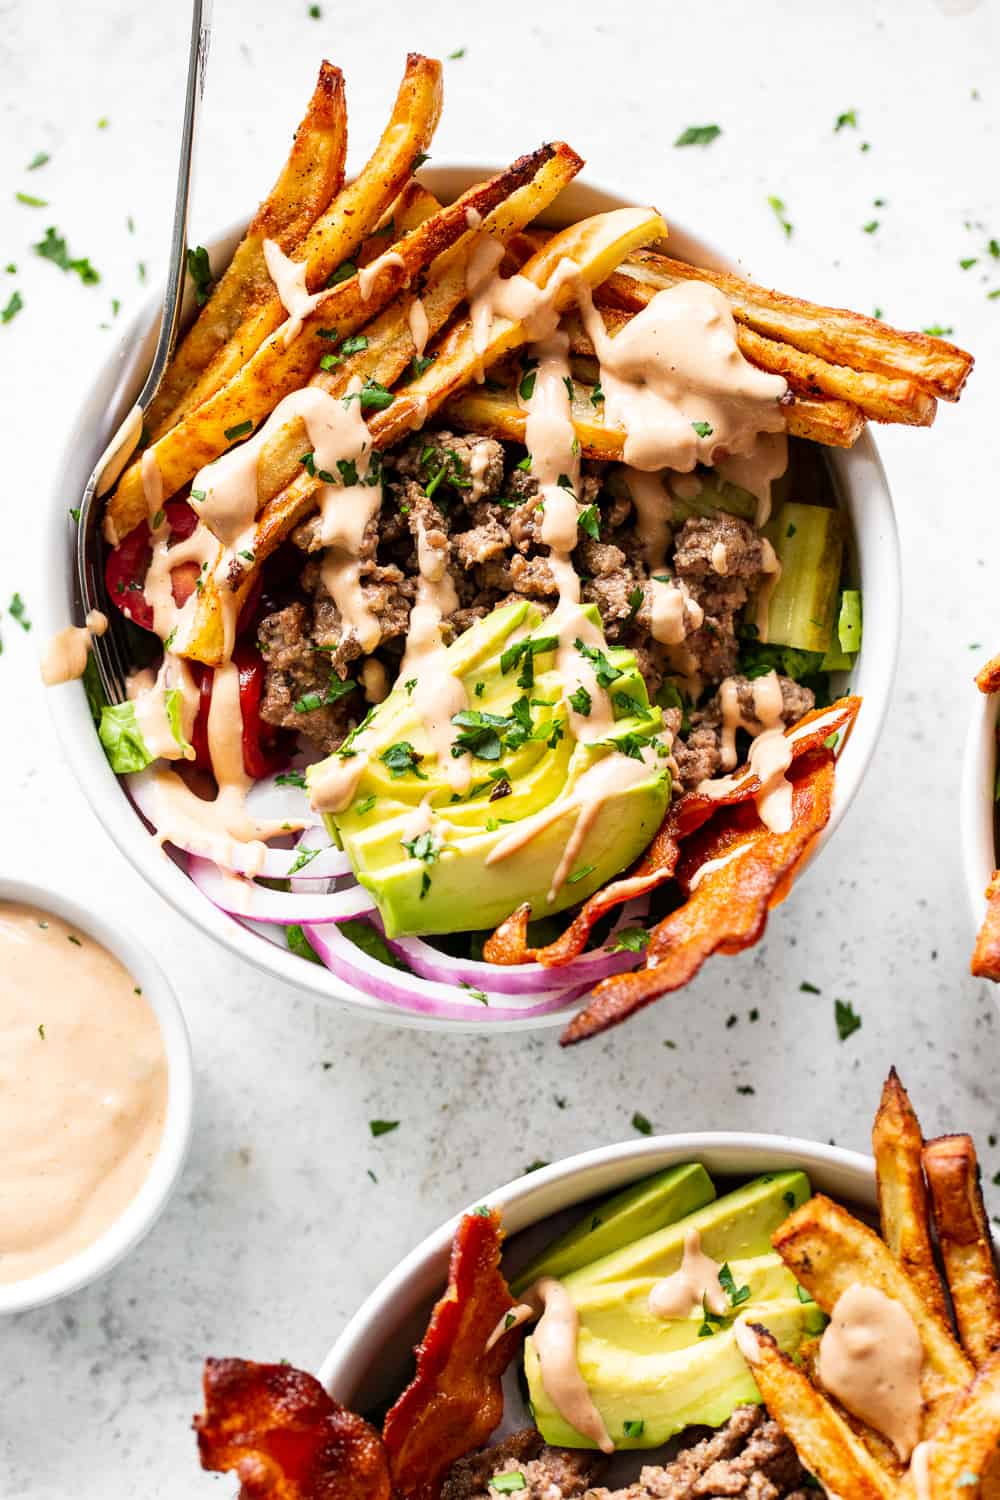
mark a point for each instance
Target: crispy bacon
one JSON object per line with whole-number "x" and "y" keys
{"x": 455, "y": 1399}
{"x": 509, "y": 944}
{"x": 726, "y": 911}
{"x": 285, "y": 1437}
{"x": 986, "y": 956}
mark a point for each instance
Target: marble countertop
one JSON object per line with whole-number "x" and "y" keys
{"x": 289, "y": 1211}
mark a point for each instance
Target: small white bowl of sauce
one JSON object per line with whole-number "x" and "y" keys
{"x": 96, "y": 1091}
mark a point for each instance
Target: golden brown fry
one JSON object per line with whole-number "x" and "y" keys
{"x": 988, "y": 677}
{"x": 831, "y": 333}
{"x": 312, "y": 175}
{"x": 828, "y": 1250}
{"x": 414, "y": 204}
{"x": 278, "y": 368}
{"x": 497, "y": 414}
{"x": 879, "y": 1447}
{"x": 389, "y": 351}
{"x": 902, "y": 1197}
{"x": 822, "y": 1439}
{"x": 333, "y": 238}
{"x": 965, "y": 1446}
{"x": 881, "y": 397}
{"x": 966, "y": 1246}
{"x": 597, "y": 245}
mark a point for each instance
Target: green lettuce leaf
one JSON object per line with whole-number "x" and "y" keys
{"x": 122, "y": 740}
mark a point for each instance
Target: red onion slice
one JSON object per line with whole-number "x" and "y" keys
{"x": 355, "y": 967}
{"x": 242, "y": 898}
{"x": 506, "y": 979}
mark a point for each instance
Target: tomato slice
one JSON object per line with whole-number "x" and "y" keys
{"x": 127, "y": 565}
{"x": 263, "y": 748}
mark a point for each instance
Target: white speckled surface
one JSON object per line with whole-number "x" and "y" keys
{"x": 278, "y": 1228}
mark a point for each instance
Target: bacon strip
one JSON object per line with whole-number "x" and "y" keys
{"x": 509, "y": 944}
{"x": 285, "y": 1437}
{"x": 727, "y": 910}
{"x": 455, "y": 1399}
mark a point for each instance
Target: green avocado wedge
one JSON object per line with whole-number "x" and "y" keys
{"x": 424, "y": 849}
{"x": 659, "y": 1394}
{"x": 619, "y": 1221}
{"x": 737, "y": 1226}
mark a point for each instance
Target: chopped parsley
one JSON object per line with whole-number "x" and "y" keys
{"x": 372, "y": 396}
{"x": 17, "y": 612}
{"x": 53, "y": 248}
{"x": 709, "y": 1318}
{"x": 233, "y": 434}
{"x": 400, "y": 759}
{"x": 38, "y": 160}
{"x": 777, "y": 207}
{"x": 525, "y": 652}
{"x": 454, "y": 56}
{"x": 849, "y": 117}
{"x": 290, "y": 778}
{"x": 418, "y": 161}
{"x": 419, "y": 363}
{"x": 365, "y": 806}
{"x": 597, "y": 395}
{"x": 580, "y": 874}
{"x": 605, "y": 673}
{"x": 809, "y": 989}
{"x": 847, "y": 1019}
{"x": 634, "y": 1428}
{"x": 335, "y": 689}
{"x": 703, "y": 429}
{"x": 424, "y": 847}
{"x": 41, "y": 1030}
{"x": 631, "y": 940}
{"x": 871, "y": 226}
{"x": 736, "y": 1294}
{"x": 200, "y": 273}
{"x": 802, "y": 1294}
{"x": 382, "y": 1127}
{"x": 580, "y": 701}
{"x": 698, "y": 135}
{"x": 635, "y": 599}
{"x": 641, "y": 1124}
{"x": 343, "y": 272}
{"x": 14, "y": 304}
{"x": 30, "y": 201}
{"x": 589, "y": 521}
{"x": 625, "y": 706}
{"x": 938, "y": 331}
{"x": 535, "y": 1166}
{"x": 487, "y": 736}
{"x": 302, "y": 858}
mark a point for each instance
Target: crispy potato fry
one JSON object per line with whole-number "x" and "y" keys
{"x": 902, "y": 1197}
{"x": 509, "y": 944}
{"x": 831, "y": 333}
{"x": 963, "y": 1233}
{"x": 414, "y": 204}
{"x": 988, "y": 677}
{"x": 835, "y": 424}
{"x": 879, "y": 1447}
{"x": 596, "y": 245}
{"x": 312, "y": 175}
{"x": 824, "y": 1442}
{"x": 455, "y": 1399}
{"x": 389, "y": 351}
{"x": 728, "y": 909}
{"x": 986, "y": 955}
{"x": 285, "y": 1437}
{"x": 883, "y": 398}
{"x": 278, "y": 368}
{"x": 961, "y": 1459}
{"x": 333, "y": 238}
{"x": 827, "y": 1249}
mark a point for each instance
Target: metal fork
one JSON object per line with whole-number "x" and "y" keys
{"x": 110, "y": 649}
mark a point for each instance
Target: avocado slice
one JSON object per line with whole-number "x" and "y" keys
{"x": 618, "y": 1311}
{"x": 526, "y": 759}
{"x": 667, "y": 1391}
{"x": 737, "y": 1226}
{"x": 630, "y": 1215}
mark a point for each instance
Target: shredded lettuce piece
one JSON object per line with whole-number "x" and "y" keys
{"x": 122, "y": 739}
{"x": 172, "y": 705}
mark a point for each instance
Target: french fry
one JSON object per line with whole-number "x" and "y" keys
{"x": 820, "y": 1436}
{"x": 831, "y": 333}
{"x": 897, "y": 1144}
{"x": 312, "y": 175}
{"x": 884, "y": 398}
{"x": 333, "y": 238}
{"x": 828, "y": 1250}
{"x": 988, "y": 677}
{"x": 596, "y": 245}
{"x": 497, "y": 414}
{"x": 960, "y": 1462}
{"x": 966, "y": 1246}
{"x": 414, "y": 204}
{"x": 389, "y": 351}
{"x": 278, "y": 368}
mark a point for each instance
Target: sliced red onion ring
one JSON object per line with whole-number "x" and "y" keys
{"x": 351, "y": 964}
{"x": 242, "y": 898}
{"x": 279, "y": 864}
{"x": 272, "y": 802}
{"x": 506, "y": 979}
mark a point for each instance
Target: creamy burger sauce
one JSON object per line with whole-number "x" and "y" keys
{"x": 83, "y": 1090}
{"x": 870, "y": 1358}
{"x": 65, "y": 656}
{"x": 694, "y": 1284}
{"x": 555, "y": 1340}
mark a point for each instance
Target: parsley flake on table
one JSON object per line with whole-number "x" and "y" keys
{"x": 382, "y": 1127}
{"x": 30, "y": 201}
{"x": 847, "y": 1019}
{"x": 454, "y": 56}
{"x": 698, "y": 135}
{"x": 53, "y": 248}
{"x": 641, "y": 1124}
{"x": 777, "y": 207}
{"x": 849, "y": 117}
{"x": 938, "y": 331}
{"x": 14, "y": 304}
{"x": 38, "y": 160}
{"x": 17, "y": 612}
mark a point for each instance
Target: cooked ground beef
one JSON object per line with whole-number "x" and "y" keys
{"x": 698, "y": 755}
{"x": 749, "y": 1457}
{"x": 483, "y": 516}
{"x": 549, "y": 1473}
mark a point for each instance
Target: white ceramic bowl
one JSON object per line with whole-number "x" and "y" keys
{"x": 858, "y": 476}
{"x": 145, "y": 1208}
{"x": 978, "y": 809}
{"x": 369, "y": 1361}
